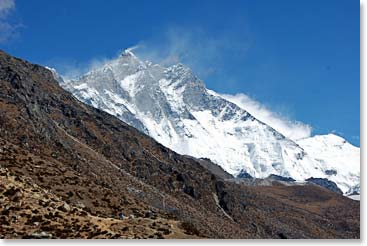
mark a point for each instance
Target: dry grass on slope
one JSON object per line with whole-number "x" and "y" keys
{"x": 28, "y": 211}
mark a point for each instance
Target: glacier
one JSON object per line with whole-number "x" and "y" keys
{"x": 174, "y": 107}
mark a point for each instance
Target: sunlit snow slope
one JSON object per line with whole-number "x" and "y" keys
{"x": 173, "y": 106}
{"x": 340, "y": 159}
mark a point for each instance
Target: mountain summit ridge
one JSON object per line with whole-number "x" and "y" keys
{"x": 174, "y": 107}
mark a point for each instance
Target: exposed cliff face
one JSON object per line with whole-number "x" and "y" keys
{"x": 174, "y": 107}
{"x": 92, "y": 161}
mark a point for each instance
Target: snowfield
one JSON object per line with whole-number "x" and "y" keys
{"x": 175, "y": 108}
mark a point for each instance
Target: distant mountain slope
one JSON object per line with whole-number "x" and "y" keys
{"x": 94, "y": 162}
{"x": 173, "y": 106}
{"x": 339, "y": 159}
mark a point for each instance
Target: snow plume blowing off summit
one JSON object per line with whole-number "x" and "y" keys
{"x": 172, "y": 105}
{"x": 294, "y": 130}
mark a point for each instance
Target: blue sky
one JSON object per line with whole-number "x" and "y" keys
{"x": 300, "y": 59}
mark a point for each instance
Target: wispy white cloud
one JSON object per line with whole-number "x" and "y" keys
{"x": 8, "y": 29}
{"x": 292, "y": 129}
{"x": 202, "y": 52}
{"x": 5, "y": 7}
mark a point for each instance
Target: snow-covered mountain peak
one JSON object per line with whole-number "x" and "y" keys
{"x": 180, "y": 68}
{"x": 331, "y": 139}
{"x": 174, "y": 107}
{"x": 340, "y": 160}
{"x": 127, "y": 52}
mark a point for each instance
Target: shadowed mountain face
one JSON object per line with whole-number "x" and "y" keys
{"x": 90, "y": 164}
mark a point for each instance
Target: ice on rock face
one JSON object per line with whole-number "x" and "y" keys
{"x": 173, "y": 106}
